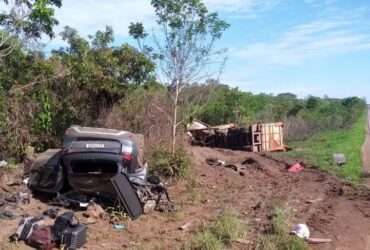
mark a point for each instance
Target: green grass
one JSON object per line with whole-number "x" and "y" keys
{"x": 319, "y": 149}
{"x": 278, "y": 238}
{"x": 219, "y": 235}
{"x": 281, "y": 242}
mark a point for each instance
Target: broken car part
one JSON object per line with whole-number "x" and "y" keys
{"x": 46, "y": 172}
{"x": 127, "y": 195}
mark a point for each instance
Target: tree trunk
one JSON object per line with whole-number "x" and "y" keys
{"x": 174, "y": 122}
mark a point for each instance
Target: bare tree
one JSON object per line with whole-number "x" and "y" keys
{"x": 184, "y": 46}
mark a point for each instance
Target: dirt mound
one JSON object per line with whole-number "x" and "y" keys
{"x": 331, "y": 208}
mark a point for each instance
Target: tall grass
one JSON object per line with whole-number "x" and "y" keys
{"x": 219, "y": 235}
{"x": 278, "y": 238}
{"x": 319, "y": 149}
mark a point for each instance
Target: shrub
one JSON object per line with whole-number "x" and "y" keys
{"x": 279, "y": 221}
{"x": 205, "y": 241}
{"x": 164, "y": 163}
{"x": 228, "y": 228}
{"x": 281, "y": 242}
{"x": 219, "y": 234}
{"x": 279, "y": 238}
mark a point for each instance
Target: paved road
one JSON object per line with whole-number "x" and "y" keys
{"x": 366, "y": 150}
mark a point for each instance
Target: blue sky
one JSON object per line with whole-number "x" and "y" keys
{"x": 307, "y": 47}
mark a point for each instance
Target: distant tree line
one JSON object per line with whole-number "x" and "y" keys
{"x": 302, "y": 117}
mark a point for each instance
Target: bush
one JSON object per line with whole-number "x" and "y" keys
{"x": 162, "y": 162}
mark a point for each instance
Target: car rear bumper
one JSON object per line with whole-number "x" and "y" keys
{"x": 91, "y": 172}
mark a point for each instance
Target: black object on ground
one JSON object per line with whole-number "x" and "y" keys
{"x": 69, "y": 232}
{"x": 61, "y": 223}
{"x": 127, "y": 195}
{"x": 25, "y": 228}
{"x": 72, "y": 199}
{"x": 74, "y": 237}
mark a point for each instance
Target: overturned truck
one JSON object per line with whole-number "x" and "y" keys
{"x": 259, "y": 137}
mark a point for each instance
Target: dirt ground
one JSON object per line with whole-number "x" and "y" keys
{"x": 331, "y": 208}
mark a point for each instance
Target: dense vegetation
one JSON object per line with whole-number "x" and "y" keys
{"x": 302, "y": 117}
{"x": 91, "y": 82}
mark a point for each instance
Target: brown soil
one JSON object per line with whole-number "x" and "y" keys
{"x": 329, "y": 207}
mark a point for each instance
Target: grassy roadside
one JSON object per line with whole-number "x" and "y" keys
{"x": 319, "y": 149}
{"x": 219, "y": 235}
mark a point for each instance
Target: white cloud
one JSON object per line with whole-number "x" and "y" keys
{"x": 319, "y": 38}
{"x": 245, "y": 8}
{"x": 90, "y": 15}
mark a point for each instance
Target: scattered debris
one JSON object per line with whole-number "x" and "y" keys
{"x": 339, "y": 159}
{"x": 41, "y": 238}
{"x": 7, "y": 215}
{"x": 248, "y": 163}
{"x": 243, "y": 241}
{"x": 3, "y": 164}
{"x": 72, "y": 200}
{"x": 51, "y": 212}
{"x": 25, "y": 181}
{"x": 119, "y": 227}
{"x": 149, "y": 206}
{"x": 90, "y": 221}
{"x": 296, "y": 168}
{"x": 25, "y": 228}
{"x": 314, "y": 201}
{"x": 23, "y": 198}
{"x": 232, "y": 166}
{"x": 94, "y": 211}
{"x": 215, "y": 162}
{"x": 185, "y": 227}
{"x": 318, "y": 240}
{"x": 301, "y": 231}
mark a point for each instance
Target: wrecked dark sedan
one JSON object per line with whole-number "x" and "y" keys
{"x": 89, "y": 159}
